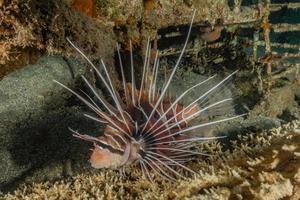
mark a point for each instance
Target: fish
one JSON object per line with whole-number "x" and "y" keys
{"x": 146, "y": 125}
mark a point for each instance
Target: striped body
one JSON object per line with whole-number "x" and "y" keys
{"x": 145, "y": 125}
{"x": 114, "y": 148}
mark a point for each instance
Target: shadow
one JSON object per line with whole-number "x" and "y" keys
{"x": 45, "y": 139}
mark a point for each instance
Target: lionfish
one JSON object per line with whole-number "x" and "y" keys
{"x": 144, "y": 125}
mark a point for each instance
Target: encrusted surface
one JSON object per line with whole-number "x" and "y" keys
{"x": 31, "y": 28}
{"x": 259, "y": 166}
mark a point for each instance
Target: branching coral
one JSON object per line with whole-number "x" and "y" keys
{"x": 260, "y": 166}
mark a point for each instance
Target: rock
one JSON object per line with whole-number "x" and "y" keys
{"x": 247, "y": 126}
{"x": 259, "y": 122}
{"x": 34, "y": 119}
{"x": 274, "y": 104}
{"x": 297, "y": 93}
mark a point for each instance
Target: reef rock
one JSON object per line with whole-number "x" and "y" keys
{"x": 33, "y": 117}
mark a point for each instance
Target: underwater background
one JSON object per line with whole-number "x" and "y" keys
{"x": 40, "y": 159}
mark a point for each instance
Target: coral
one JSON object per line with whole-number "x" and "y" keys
{"x": 43, "y": 27}
{"x": 31, "y": 28}
{"x": 259, "y": 166}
